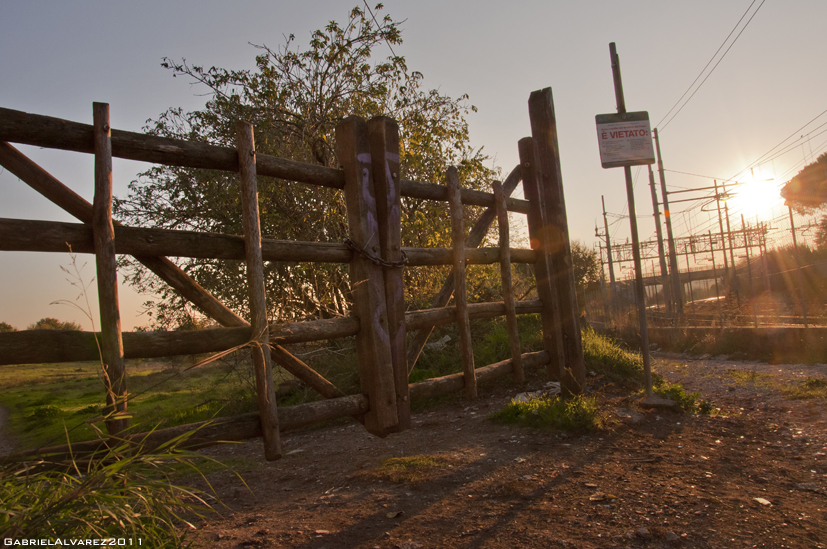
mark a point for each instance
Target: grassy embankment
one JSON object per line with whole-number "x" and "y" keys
{"x": 44, "y": 398}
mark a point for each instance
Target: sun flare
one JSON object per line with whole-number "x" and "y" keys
{"x": 755, "y": 198}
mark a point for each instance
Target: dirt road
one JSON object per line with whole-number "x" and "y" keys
{"x": 752, "y": 474}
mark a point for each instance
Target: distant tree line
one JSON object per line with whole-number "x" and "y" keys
{"x": 47, "y": 323}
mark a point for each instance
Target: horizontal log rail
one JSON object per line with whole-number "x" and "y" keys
{"x": 56, "y": 133}
{"x": 211, "y": 432}
{"x": 51, "y": 236}
{"x": 246, "y": 426}
{"x": 53, "y": 346}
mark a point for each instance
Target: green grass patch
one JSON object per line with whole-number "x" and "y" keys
{"x": 688, "y": 402}
{"x": 574, "y": 414}
{"x": 810, "y": 388}
{"x": 604, "y": 356}
{"x": 416, "y": 468}
{"x": 744, "y": 377}
{"x": 45, "y": 399}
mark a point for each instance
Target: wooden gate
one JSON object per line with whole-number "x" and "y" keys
{"x": 388, "y": 339}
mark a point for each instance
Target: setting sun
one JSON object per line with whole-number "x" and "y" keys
{"x": 755, "y": 198}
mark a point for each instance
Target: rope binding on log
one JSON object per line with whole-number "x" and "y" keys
{"x": 377, "y": 260}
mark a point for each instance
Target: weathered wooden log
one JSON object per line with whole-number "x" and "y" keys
{"x": 215, "y": 431}
{"x": 455, "y": 382}
{"x": 55, "y": 346}
{"x": 367, "y": 281}
{"x": 478, "y": 232}
{"x": 507, "y": 284}
{"x": 460, "y": 296}
{"x": 55, "y": 133}
{"x": 547, "y": 292}
{"x": 383, "y": 134}
{"x": 23, "y": 235}
{"x": 107, "y": 276}
{"x": 544, "y": 130}
{"x": 260, "y": 350}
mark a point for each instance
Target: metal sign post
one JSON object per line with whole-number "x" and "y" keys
{"x": 626, "y": 140}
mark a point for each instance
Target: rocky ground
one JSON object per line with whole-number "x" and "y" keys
{"x": 751, "y": 474}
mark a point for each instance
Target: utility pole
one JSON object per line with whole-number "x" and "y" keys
{"x": 667, "y": 295}
{"x": 630, "y": 197}
{"x": 612, "y": 287}
{"x": 798, "y": 263}
{"x": 603, "y": 282}
{"x": 732, "y": 257}
{"x": 715, "y": 276}
{"x": 762, "y": 247}
{"x": 721, "y": 225}
{"x": 677, "y": 292}
{"x": 749, "y": 271}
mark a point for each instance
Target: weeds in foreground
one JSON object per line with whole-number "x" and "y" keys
{"x": 810, "y": 388}
{"x": 574, "y": 414}
{"x": 119, "y": 492}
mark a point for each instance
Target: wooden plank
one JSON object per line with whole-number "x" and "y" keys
{"x": 51, "y": 132}
{"x": 460, "y": 296}
{"x": 454, "y": 382}
{"x": 507, "y": 284}
{"x": 55, "y": 346}
{"x": 544, "y": 130}
{"x": 478, "y": 232}
{"x": 373, "y": 348}
{"x": 265, "y": 389}
{"x": 107, "y": 275}
{"x": 550, "y": 315}
{"x": 383, "y": 133}
{"x": 23, "y": 235}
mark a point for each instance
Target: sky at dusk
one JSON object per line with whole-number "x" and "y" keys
{"x": 60, "y": 57}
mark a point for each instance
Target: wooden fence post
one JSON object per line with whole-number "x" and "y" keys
{"x": 107, "y": 276}
{"x": 544, "y": 130}
{"x": 265, "y": 391}
{"x": 550, "y": 315}
{"x": 460, "y": 298}
{"x": 383, "y": 133}
{"x": 367, "y": 281}
{"x": 508, "y": 289}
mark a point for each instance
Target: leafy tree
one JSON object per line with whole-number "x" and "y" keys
{"x": 807, "y": 191}
{"x": 295, "y": 98}
{"x": 49, "y": 323}
{"x": 586, "y": 267}
{"x": 6, "y": 327}
{"x": 821, "y": 234}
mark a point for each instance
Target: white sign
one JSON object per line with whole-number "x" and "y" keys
{"x": 625, "y": 139}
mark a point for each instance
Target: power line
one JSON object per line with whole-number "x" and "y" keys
{"x": 760, "y": 158}
{"x": 661, "y": 128}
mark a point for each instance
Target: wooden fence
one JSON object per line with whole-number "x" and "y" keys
{"x": 388, "y": 339}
